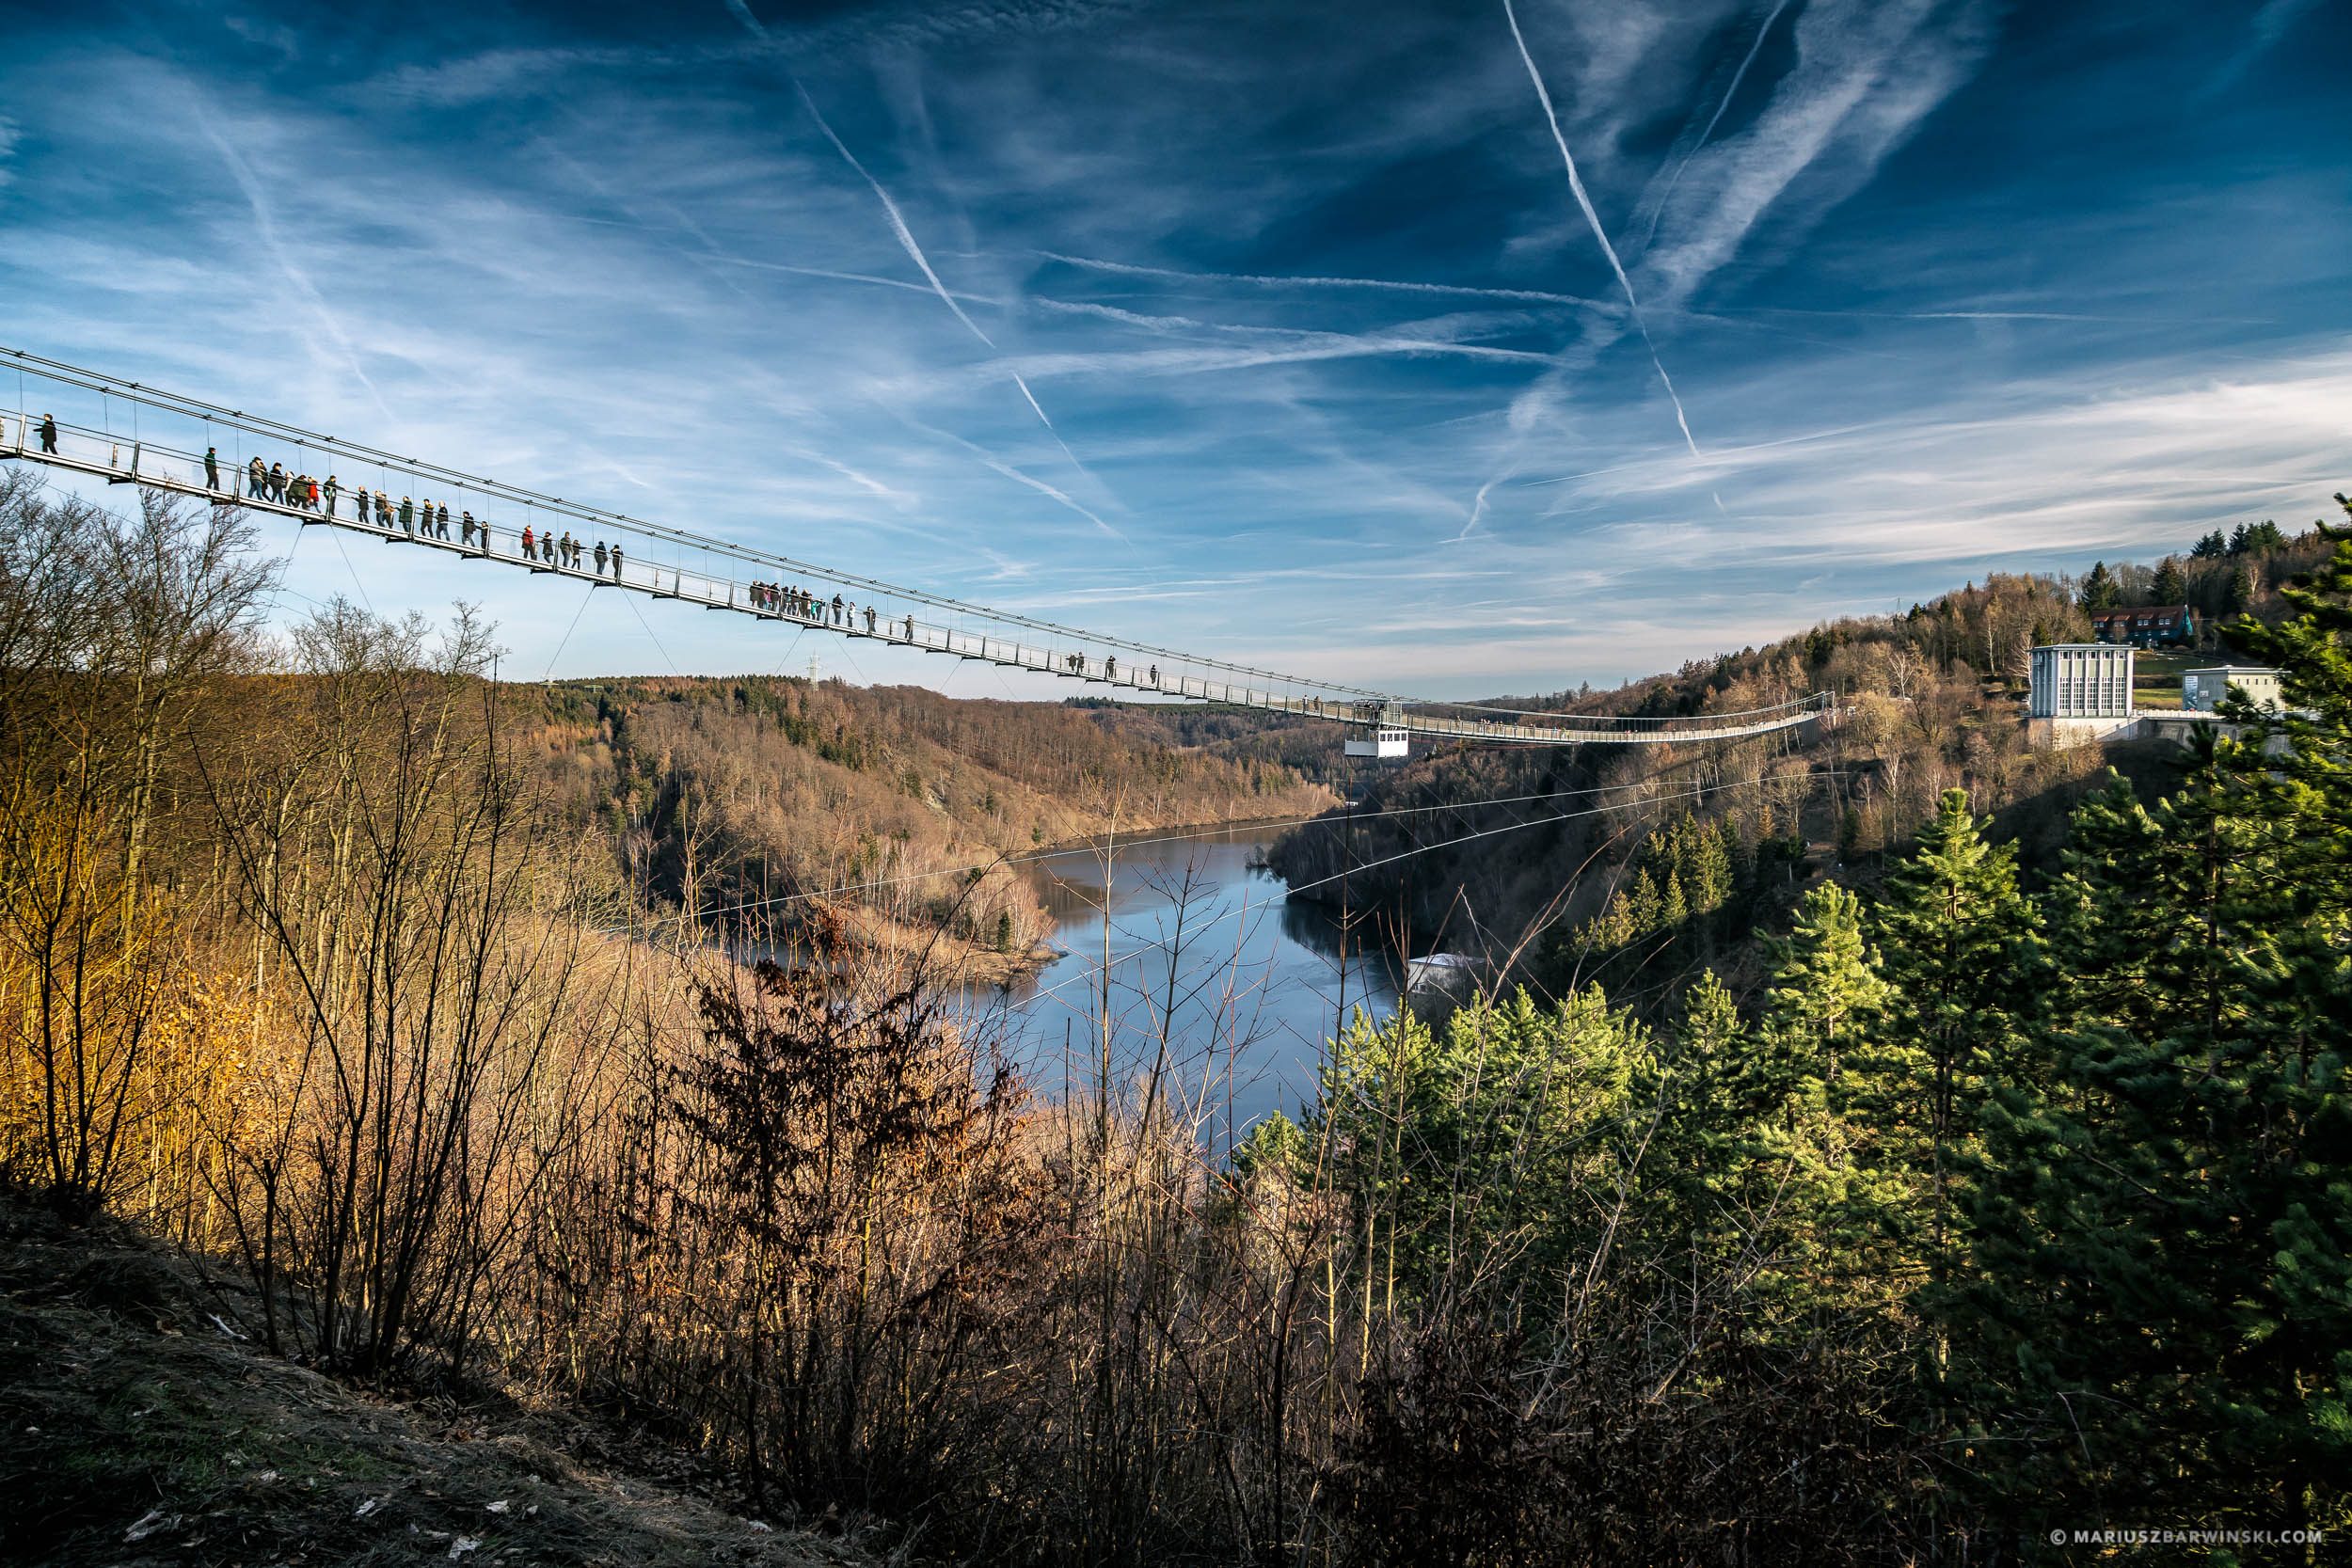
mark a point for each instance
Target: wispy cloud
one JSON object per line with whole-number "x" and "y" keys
{"x": 1738, "y": 76}
{"x": 1866, "y": 74}
{"x": 2272, "y": 22}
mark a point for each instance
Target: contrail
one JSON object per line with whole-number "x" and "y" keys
{"x": 992, "y": 461}
{"x": 890, "y": 209}
{"x": 1730, "y": 93}
{"x": 1039, "y": 410}
{"x": 914, "y": 252}
{"x": 1576, "y": 183}
{"x": 1262, "y": 280}
{"x": 265, "y": 224}
{"x": 1478, "y": 508}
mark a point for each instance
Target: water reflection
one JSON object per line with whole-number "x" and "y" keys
{"x": 1217, "y": 983}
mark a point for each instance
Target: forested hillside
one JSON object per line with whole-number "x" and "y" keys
{"x": 1644, "y": 865}
{"x": 737, "y": 796}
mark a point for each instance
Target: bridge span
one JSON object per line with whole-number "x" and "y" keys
{"x": 125, "y": 433}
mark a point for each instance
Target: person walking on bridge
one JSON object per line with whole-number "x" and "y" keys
{"x": 530, "y": 546}
{"x": 616, "y": 563}
{"x": 407, "y": 517}
{"x": 49, "y": 434}
{"x": 601, "y": 553}
{"x": 276, "y": 484}
{"x": 327, "y": 496}
{"x": 255, "y": 479}
{"x": 212, "y": 467}
{"x": 440, "y": 521}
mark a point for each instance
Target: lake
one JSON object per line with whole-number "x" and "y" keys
{"x": 1201, "y": 933}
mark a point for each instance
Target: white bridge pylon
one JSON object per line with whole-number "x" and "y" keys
{"x": 130, "y": 434}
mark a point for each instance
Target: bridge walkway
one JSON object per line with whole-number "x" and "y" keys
{"x": 101, "y": 452}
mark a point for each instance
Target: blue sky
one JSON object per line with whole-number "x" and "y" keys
{"x": 1274, "y": 331}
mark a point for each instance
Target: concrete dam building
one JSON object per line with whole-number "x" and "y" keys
{"x": 2082, "y": 693}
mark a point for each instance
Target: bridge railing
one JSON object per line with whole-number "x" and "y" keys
{"x": 888, "y": 614}
{"x": 169, "y": 433}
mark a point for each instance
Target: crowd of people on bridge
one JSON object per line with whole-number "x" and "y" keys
{"x": 802, "y": 604}
{"x": 430, "y": 520}
{"x": 424, "y": 519}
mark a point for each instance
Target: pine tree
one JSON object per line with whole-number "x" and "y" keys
{"x": 1825, "y": 979}
{"x": 1807, "y": 1162}
{"x": 1950, "y": 926}
{"x": 1707, "y": 877}
{"x": 2161, "y": 1319}
{"x": 1644, "y": 904}
{"x": 2099, "y": 591}
{"x": 2171, "y": 587}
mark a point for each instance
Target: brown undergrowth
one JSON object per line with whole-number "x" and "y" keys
{"x": 139, "y": 1425}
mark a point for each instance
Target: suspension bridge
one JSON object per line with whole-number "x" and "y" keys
{"x": 126, "y": 433}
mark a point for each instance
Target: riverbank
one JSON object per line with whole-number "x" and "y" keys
{"x": 1266, "y": 827}
{"x": 946, "y": 958}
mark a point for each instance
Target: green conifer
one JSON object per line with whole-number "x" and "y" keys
{"x": 1949, "y": 927}
{"x": 2160, "y": 1319}
{"x": 2171, "y": 587}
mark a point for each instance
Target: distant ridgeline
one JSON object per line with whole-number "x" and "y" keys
{"x": 1621, "y": 874}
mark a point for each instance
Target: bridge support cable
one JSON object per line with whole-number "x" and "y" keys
{"x": 667, "y": 562}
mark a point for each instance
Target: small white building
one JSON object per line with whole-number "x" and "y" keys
{"x": 2081, "y": 692}
{"x": 2201, "y": 690}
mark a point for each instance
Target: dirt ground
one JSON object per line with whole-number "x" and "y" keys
{"x": 136, "y": 1428}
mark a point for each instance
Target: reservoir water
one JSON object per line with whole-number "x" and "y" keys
{"x": 1207, "y": 957}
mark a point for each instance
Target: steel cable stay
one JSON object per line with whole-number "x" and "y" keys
{"x": 1285, "y": 693}
{"x": 1405, "y": 855}
{"x": 1038, "y": 857}
{"x": 194, "y": 408}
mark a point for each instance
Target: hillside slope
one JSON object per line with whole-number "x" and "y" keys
{"x": 731, "y": 794}
{"x": 1583, "y": 868}
{"x": 134, "y": 1428}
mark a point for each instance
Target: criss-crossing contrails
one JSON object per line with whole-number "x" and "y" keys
{"x": 743, "y": 13}
{"x": 1576, "y": 183}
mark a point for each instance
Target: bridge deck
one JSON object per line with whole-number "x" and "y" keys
{"x": 1088, "y": 660}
